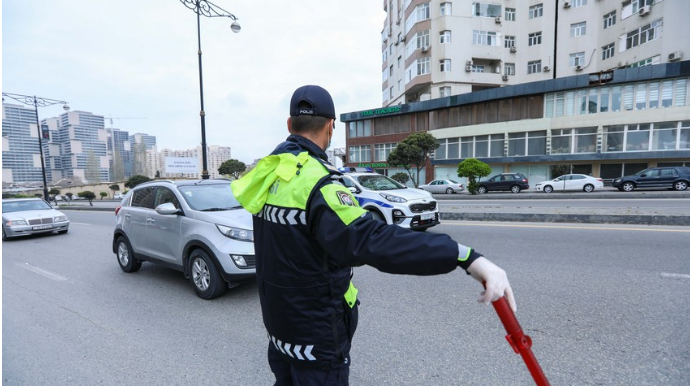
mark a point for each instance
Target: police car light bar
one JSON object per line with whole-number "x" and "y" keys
{"x": 346, "y": 169}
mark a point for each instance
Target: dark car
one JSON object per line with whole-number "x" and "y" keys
{"x": 514, "y": 182}
{"x": 677, "y": 178}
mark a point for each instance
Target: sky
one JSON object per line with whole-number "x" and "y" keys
{"x": 136, "y": 61}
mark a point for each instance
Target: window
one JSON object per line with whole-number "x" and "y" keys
{"x": 143, "y": 198}
{"x": 384, "y": 75}
{"x": 423, "y": 65}
{"x": 421, "y": 12}
{"x": 534, "y": 38}
{"x": 360, "y": 153}
{"x": 444, "y": 37}
{"x": 390, "y": 70}
{"x": 391, "y": 92}
{"x": 517, "y": 143}
{"x": 643, "y": 34}
{"x": 509, "y": 41}
{"x": 607, "y": 51}
{"x": 382, "y": 151}
{"x": 444, "y": 65}
{"x": 445, "y": 91}
{"x": 609, "y": 19}
{"x": 477, "y": 68}
{"x": 578, "y": 3}
{"x": 534, "y": 66}
{"x": 446, "y": 9}
{"x": 578, "y": 29}
{"x": 486, "y": 10}
{"x": 536, "y": 11}
{"x": 664, "y": 136}
{"x": 164, "y": 196}
{"x": 509, "y": 69}
{"x": 361, "y": 128}
{"x": 510, "y": 14}
{"x": 577, "y": 59}
{"x": 484, "y": 38}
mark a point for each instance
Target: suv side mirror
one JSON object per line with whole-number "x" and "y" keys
{"x": 167, "y": 209}
{"x": 353, "y": 189}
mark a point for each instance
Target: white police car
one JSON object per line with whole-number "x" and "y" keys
{"x": 391, "y": 201}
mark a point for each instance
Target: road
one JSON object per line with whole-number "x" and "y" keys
{"x": 604, "y": 305}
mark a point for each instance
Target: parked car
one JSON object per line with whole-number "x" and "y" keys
{"x": 118, "y": 196}
{"x": 571, "y": 182}
{"x": 196, "y": 227}
{"x": 514, "y": 182}
{"x": 391, "y": 201}
{"x": 29, "y": 216}
{"x": 443, "y": 186}
{"x": 672, "y": 177}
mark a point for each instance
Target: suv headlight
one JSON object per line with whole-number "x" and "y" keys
{"x": 393, "y": 198}
{"x": 236, "y": 233}
{"x": 16, "y": 222}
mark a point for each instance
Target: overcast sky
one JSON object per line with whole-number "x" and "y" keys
{"x": 138, "y": 59}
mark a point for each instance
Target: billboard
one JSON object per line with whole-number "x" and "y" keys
{"x": 181, "y": 165}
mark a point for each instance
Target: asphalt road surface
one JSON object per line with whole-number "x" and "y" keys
{"x": 604, "y": 305}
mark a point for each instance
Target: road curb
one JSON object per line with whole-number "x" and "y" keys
{"x": 569, "y": 218}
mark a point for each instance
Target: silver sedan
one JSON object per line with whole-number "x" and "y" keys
{"x": 28, "y": 216}
{"x": 443, "y": 186}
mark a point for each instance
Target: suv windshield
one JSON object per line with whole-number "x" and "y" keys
{"x": 379, "y": 182}
{"x": 209, "y": 197}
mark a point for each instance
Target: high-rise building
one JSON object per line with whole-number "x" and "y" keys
{"x": 119, "y": 154}
{"x": 21, "y": 160}
{"x": 437, "y": 48}
{"x": 83, "y": 140}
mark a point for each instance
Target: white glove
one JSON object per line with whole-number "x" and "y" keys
{"x": 495, "y": 279}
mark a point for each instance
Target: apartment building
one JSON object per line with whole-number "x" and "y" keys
{"x": 608, "y": 97}
{"x": 215, "y": 156}
{"x": 433, "y": 49}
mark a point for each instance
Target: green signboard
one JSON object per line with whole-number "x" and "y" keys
{"x": 382, "y": 111}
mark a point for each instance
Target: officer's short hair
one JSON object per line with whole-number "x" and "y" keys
{"x": 308, "y": 124}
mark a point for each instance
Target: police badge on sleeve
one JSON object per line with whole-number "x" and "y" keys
{"x": 345, "y": 198}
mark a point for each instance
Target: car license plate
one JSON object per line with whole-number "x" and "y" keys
{"x": 38, "y": 227}
{"x": 428, "y": 216}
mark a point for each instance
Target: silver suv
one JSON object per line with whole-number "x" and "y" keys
{"x": 196, "y": 227}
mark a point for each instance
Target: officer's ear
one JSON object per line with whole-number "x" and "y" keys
{"x": 289, "y": 125}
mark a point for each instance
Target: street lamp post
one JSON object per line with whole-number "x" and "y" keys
{"x": 207, "y": 9}
{"x": 36, "y": 102}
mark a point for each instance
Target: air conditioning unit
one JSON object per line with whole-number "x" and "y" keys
{"x": 673, "y": 56}
{"x": 505, "y": 77}
{"x": 498, "y": 20}
{"x": 468, "y": 68}
{"x": 425, "y": 48}
{"x": 622, "y": 64}
{"x": 469, "y": 63}
{"x": 513, "y": 49}
{"x": 566, "y": 4}
{"x": 546, "y": 69}
{"x": 402, "y": 39}
{"x": 578, "y": 68}
{"x": 644, "y": 10}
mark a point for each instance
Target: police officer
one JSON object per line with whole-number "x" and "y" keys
{"x": 310, "y": 231}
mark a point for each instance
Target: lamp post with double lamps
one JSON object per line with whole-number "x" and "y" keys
{"x": 207, "y": 9}
{"x": 38, "y": 102}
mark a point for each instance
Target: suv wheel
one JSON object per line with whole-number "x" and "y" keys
{"x": 204, "y": 275}
{"x": 450, "y": 191}
{"x": 482, "y": 189}
{"x": 125, "y": 257}
{"x": 376, "y": 215}
{"x": 628, "y": 186}
{"x": 515, "y": 188}
{"x": 589, "y": 188}
{"x": 680, "y": 185}
{"x": 548, "y": 189}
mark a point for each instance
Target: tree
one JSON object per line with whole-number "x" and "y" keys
{"x": 53, "y": 194}
{"x": 69, "y": 195}
{"x": 118, "y": 169}
{"x": 413, "y": 151}
{"x": 114, "y": 188}
{"x": 136, "y": 180}
{"x": 139, "y": 163}
{"x": 232, "y": 167}
{"x": 88, "y": 195}
{"x": 473, "y": 168}
{"x": 400, "y": 177}
{"x": 103, "y": 194}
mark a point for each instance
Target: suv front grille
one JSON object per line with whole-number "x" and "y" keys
{"x": 419, "y": 208}
{"x": 38, "y": 221}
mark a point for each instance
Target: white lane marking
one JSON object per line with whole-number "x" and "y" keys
{"x": 79, "y": 223}
{"x": 665, "y": 275}
{"x": 42, "y": 272}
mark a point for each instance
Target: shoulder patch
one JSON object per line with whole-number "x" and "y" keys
{"x": 344, "y": 198}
